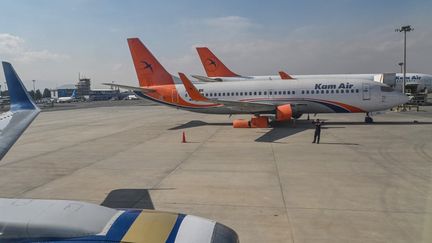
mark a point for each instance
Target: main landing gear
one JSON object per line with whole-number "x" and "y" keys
{"x": 368, "y": 119}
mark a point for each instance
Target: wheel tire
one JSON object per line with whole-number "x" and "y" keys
{"x": 368, "y": 119}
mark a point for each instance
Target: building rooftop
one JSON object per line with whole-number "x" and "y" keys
{"x": 67, "y": 86}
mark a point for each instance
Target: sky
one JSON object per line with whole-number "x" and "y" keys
{"x": 51, "y": 41}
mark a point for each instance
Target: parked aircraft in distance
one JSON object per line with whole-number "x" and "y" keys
{"x": 217, "y": 71}
{"x": 61, "y": 221}
{"x": 280, "y": 99}
{"x": 68, "y": 99}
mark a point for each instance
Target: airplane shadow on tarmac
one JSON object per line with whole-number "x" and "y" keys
{"x": 198, "y": 123}
{"x": 283, "y": 130}
{"x": 129, "y": 198}
{"x": 286, "y": 129}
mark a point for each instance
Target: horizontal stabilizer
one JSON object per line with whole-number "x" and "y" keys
{"x": 233, "y": 105}
{"x": 134, "y": 88}
{"x": 206, "y": 79}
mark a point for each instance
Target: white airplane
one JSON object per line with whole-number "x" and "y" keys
{"x": 281, "y": 99}
{"x": 217, "y": 71}
{"x": 61, "y": 221}
{"x": 67, "y": 99}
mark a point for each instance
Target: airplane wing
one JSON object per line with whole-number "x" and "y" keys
{"x": 22, "y": 112}
{"x": 142, "y": 89}
{"x": 233, "y": 105}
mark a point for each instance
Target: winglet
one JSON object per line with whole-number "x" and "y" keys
{"x": 191, "y": 89}
{"x": 284, "y": 75}
{"x": 212, "y": 65}
{"x": 19, "y": 97}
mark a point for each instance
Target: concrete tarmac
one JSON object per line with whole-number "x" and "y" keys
{"x": 363, "y": 183}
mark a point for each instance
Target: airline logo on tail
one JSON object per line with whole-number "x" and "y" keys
{"x": 147, "y": 66}
{"x": 149, "y": 71}
{"x": 212, "y": 65}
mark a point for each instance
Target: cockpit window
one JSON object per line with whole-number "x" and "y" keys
{"x": 386, "y": 89}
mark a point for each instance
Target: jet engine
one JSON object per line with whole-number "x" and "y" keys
{"x": 284, "y": 113}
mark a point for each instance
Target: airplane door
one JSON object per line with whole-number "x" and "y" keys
{"x": 366, "y": 92}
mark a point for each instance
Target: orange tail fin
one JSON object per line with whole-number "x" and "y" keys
{"x": 149, "y": 71}
{"x": 191, "y": 89}
{"x": 212, "y": 65}
{"x": 284, "y": 75}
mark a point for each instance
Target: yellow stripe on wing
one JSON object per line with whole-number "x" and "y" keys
{"x": 151, "y": 227}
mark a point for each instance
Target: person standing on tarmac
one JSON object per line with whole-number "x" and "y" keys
{"x": 317, "y": 133}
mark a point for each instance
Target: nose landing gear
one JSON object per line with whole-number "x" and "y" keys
{"x": 368, "y": 119}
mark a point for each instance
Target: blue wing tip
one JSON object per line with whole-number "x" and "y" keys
{"x": 19, "y": 97}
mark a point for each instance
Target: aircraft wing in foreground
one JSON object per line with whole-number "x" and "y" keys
{"x": 22, "y": 112}
{"x": 61, "y": 221}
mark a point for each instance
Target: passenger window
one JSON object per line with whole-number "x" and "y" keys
{"x": 219, "y": 94}
{"x": 302, "y": 91}
{"x": 270, "y": 93}
{"x": 186, "y": 95}
{"x": 337, "y": 91}
{"x": 347, "y": 91}
{"x": 284, "y": 92}
{"x": 352, "y": 91}
{"x": 327, "y": 91}
{"x": 293, "y": 92}
{"x": 232, "y": 93}
{"x": 357, "y": 90}
{"x": 265, "y": 92}
{"x": 312, "y": 91}
{"x": 228, "y": 94}
{"x": 255, "y": 93}
{"x": 322, "y": 91}
{"x": 332, "y": 91}
{"x": 236, "y": 93}
{"x": 307, "y": 91}
{"x": 241, "y": 93}
{"x": 342, "y": 91}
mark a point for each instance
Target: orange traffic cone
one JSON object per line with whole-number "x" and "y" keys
{"x": 184, "y": 137}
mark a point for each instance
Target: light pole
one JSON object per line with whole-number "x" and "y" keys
{"x": 34, "y": 86}
{"x": 401, "y": 66}
{"x": 405, "y": 29}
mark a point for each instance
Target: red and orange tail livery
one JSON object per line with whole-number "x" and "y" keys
{"x": 212, "y": 65}
{"x": 284, "y": 75}
{"x": 149, "y": 71}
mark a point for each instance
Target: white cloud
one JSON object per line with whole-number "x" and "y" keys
{"x": 14, "y": 48}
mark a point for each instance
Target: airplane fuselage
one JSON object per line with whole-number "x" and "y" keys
{"x": 305, "y": 95}
{"x": 422, "y": 81}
